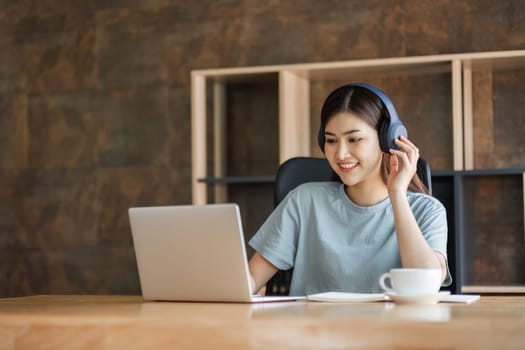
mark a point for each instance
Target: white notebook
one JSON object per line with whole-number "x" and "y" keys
{"x": 342, "y": 297}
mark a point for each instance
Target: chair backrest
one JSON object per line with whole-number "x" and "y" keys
{"x": 299, "y": 170}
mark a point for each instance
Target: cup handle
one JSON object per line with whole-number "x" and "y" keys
{"x": 382, "y": 282}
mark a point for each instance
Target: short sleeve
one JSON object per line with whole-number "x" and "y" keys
{"x": 276, "y": 239}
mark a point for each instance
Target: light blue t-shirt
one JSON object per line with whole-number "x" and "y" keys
{"x": 335, "y": 245}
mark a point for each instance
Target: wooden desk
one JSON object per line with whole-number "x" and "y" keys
{"x": 125, "y": 322}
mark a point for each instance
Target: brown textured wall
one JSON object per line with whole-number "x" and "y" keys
{"x": 94, "y": 107}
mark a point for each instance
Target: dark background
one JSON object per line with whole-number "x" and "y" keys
{"x": 95, "y": 107}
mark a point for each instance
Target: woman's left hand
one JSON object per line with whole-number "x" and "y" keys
{"x": 403, "y": 165}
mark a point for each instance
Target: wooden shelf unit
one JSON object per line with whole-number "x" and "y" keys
{"x": 456, "y": 108}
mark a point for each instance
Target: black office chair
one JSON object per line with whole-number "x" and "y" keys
{"x": 299, "y": 170}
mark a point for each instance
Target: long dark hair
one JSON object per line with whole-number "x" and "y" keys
{"x": 367, "y": 106}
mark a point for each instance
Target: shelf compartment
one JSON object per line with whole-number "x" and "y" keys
{"x": 491, "y": 226}
{"x": 493, "y": 118}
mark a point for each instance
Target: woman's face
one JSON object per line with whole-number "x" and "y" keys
{"x": 352, "y": 149}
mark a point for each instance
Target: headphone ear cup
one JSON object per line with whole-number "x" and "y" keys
{"x": 394, "y": 131}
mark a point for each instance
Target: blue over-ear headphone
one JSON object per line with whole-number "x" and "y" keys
{"x": 390, "y": 129}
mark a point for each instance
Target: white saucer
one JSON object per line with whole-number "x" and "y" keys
{"x": 417, "y": 299}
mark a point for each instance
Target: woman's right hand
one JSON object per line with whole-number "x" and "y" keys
{"x": 403, "y": 166}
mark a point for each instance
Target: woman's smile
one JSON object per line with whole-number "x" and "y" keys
{"x": 347, "y": 166}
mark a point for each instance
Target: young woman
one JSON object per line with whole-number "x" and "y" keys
{"x": 343, "y": 236}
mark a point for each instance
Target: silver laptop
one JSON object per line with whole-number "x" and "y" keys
{"x": 192, "y": 253}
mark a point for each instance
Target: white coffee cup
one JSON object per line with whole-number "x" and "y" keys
{"x": 411, "y": 281}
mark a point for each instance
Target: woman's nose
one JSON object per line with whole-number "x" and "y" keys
{"x": 342, "y": 151}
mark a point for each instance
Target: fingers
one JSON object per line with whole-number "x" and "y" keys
{"x": 394, "y": 163}
{"x": 408, "y": 153}
{"x": 402, "y": 162}
{"x": 403, "y": 165}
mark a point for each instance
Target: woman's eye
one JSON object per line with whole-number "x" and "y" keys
{"x": 331, "y": 141}
{"x": 355, "y": 139}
